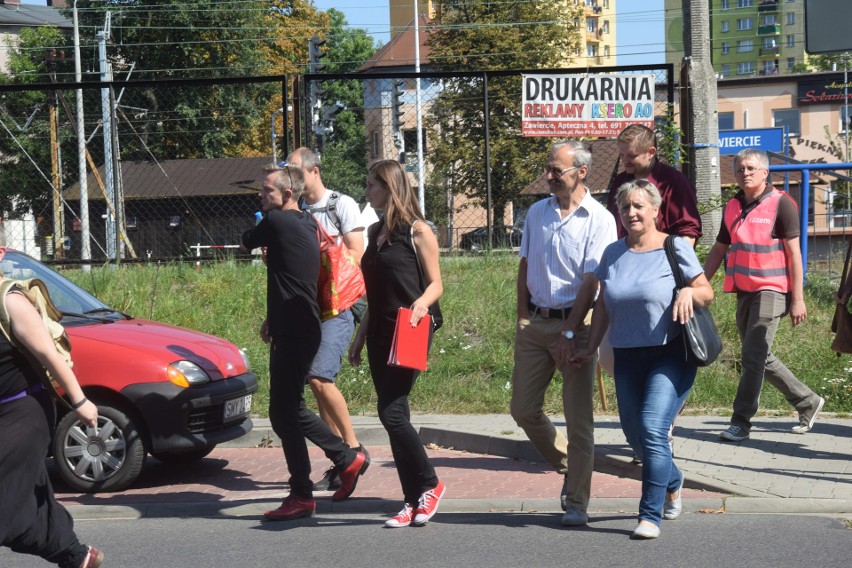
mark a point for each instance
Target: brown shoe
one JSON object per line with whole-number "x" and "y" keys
{"x": 349, "y": 477}
{"x": 292, "y": 507}
{"x": 93, "y": 559}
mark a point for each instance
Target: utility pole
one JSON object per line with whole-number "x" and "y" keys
{"x": 699, "y": 115}
{"x": 85, "y": 237}
{"x": 106, "y": 114}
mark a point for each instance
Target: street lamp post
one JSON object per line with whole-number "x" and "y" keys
{"x": 85, "y": 248}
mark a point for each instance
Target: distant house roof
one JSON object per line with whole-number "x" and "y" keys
{"x": 399, "y": 51}
{"x": 30, "y": 15}
{"x": 182, "y": 178}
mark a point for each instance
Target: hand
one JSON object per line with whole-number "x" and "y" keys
{"x": 355, "y": 349}
{"x": 418, "y": 311}
{"x": 88, "y": 413}
{"x": 798, "y": 312}
{"x": 565, "y": 350}
{"x": 264, "y": 331}
{"x": 682, "y": 309}
{"x": 581, "y": 356}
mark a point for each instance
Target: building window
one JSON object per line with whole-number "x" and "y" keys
{"x": 787, "y": 118}
{"x": 726, "y": 48}
{"x": 791, "y": 62}
{"x": 606, "y": 51}
{"x": 725, "y": 26}
{"x": 605, "y": 26}
{"x": 768, "y": 43}
{"x": 745, "y": 68}
{"x": 770, "y": 68}
{"x": 745, "y": 24}
{"x": 726, "y": 69}
{"x": 745, "y": 3}
{"x": 726, "y": 4}
{"x": 726, "y": 121}
{"x": 745, "y": 45}
{"x": 591, "y": 25}
{"x": 791, "y": 18}
{"x": 606, "y": 4}
{"x": 791, "y": 40}
{"x": 769, "y": 20}
{"x": 591, "y": 50}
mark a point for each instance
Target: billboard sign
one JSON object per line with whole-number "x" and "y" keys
{"x": 766, "y": 139}
{"x": 592, "y": 106}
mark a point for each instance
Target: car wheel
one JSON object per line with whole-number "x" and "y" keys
{"x": 106, "y": 458}
{"x": 183, "y": 457}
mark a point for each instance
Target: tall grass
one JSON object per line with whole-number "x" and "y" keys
{"x": 471, "y": 359}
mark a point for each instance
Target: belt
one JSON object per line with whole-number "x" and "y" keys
{"x": 557, "y": 313}
{"x": 31, "y": 390}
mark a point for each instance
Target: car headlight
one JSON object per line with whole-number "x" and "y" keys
{"x": 246, "y": 361}
{"x": 186, "y": 373}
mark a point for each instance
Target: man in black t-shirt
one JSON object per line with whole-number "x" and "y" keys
{"x": 292, "y": 330}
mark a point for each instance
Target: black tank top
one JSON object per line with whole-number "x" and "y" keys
{"x": 16, "y": 374}
{"x": 391, "y": 277}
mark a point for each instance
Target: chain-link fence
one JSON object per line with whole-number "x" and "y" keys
{"x": 173, "y": 167}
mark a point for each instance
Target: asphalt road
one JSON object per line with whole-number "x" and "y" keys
{"x": 490, "y": 540}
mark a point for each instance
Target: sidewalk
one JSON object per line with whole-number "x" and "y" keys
{"x": 488, "y": 465}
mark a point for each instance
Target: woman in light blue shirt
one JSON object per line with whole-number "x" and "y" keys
{"x": 652, "y": 377}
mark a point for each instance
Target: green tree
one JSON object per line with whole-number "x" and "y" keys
{"x": 484, "y": 35}
{"x": 25, "y": 151}
{"x": 344, "y": 149}
{"x": 824, "y": 62}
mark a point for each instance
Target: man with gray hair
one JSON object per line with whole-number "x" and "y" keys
{"x": 760, "y": 235}
{"x": 563, "y": 240}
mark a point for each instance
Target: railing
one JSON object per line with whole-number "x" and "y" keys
{"x": 772, "y": 29}
{"x": 764, "y": 51}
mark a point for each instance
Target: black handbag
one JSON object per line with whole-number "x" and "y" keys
{"x": 701, "y": 341}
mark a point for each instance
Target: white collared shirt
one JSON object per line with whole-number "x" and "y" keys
{"x": 560, "y": 251}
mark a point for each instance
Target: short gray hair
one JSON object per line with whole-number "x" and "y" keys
{"x": 582, "y": 156}
{"x": 287, "y": 177}
{"x": 752, "y": 153}
{"x": 632, "y": 186}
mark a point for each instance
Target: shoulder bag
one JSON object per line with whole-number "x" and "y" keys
{"x": 701, "y": 340}
{"x": 341, "y": 283}
{"x": 434, "y": 309}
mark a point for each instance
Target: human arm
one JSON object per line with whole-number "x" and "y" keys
{"x": 354, "y": 241}
{"x": 798, "y": 311}
{"x": 696, "y": 294}
{"x": 714, "y": 259}
{"x": 679, "y": 210}
{"x": 28, "y": 328}
{"x": 426, "y": 245}
{"x": 523, "y": 291}
{"x": 600, "y": 323}
{"x": 264, "y": 331}
{"x": 582, "y": 304}
{"x": 358, "y": 341}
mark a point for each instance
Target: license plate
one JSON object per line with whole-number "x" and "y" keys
{"x": 237, "y": 407}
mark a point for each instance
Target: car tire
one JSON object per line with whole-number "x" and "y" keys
{"x": 108, "y": 458}
{"x": 183, "y": 457}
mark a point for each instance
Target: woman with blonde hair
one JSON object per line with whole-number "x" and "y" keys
{"x": 400, "y": 269}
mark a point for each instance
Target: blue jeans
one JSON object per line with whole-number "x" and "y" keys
{"x": 651, "y": 384}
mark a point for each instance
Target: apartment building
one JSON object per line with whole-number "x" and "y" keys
{"x": 596, "y": 25}
{"x": 748, "y": 37}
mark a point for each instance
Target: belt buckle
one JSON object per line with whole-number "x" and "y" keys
{"x": 544, "y": 312}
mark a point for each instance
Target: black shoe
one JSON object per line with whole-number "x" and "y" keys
{"x": 330, "y": 481}
{"x": 364, "y": 451}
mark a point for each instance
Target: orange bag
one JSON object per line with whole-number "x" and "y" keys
{"x": 341, "y": 283}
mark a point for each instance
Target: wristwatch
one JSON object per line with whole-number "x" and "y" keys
{"x": 569, "y": 335}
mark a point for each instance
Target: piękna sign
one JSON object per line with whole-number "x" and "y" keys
{"x": 592, "y": 106}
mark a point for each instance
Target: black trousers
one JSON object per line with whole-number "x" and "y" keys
{"x": 290, "y": 360}
{"x": 393, "y": 385}
{"x": 31, "y": 521}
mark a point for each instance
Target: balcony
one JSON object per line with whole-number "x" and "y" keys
{"x": 769, "y": 51}
{"x": 769, "y": 72}
{"x": 594, "y": 37}
{"x": 767, "y": 6}
{"x": 773, "y": 29}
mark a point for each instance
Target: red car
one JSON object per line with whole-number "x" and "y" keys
{"x": 168, "y": 391}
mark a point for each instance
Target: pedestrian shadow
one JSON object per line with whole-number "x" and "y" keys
{"x": 516, "y": 519}
{"x": 491, "y": 464}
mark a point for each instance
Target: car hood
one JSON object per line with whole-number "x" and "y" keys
{"x": 137, "y": 345}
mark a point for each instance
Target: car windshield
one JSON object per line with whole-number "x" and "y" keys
{"x": 69, "y": 298}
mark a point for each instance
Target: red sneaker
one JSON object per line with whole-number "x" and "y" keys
{"x": 428, "y": 504}
{"x": 292, "y": 508}
{"x": 402, "y": 519}
{"x": 349, "y": 476}
{"x": 93, "y": 558}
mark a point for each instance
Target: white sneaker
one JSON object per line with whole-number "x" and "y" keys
{"x": 807, "y": 419}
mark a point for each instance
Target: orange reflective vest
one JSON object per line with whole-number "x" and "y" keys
{"x": 756, "y": 260}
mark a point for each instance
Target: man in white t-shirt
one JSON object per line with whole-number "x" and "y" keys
{"x": 340, "y": 216}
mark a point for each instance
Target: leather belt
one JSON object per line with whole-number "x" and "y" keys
{"x": 557, "y": 313}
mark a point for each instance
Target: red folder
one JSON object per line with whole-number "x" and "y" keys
{"x": 410, "y": 347}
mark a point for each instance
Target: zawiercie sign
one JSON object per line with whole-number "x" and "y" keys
{"x": 598, "y": 106}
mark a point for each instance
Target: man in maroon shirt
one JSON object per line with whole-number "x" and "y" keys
{"x": 679, "y": 210}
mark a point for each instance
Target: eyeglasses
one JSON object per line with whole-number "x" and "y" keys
{"x": 748, "y": 169}
{"x": 557, "y": 172}
{"x": 286, "y": 167}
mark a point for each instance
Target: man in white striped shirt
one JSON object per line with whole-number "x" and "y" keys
{"x": 564, "y": 238}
